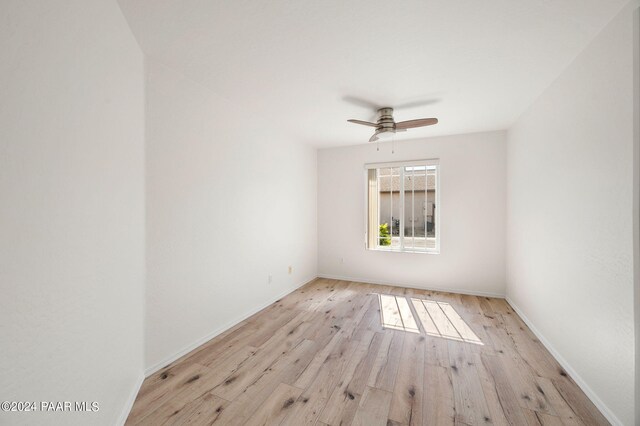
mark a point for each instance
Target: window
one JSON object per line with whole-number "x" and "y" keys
{"x": 402, "y": 203}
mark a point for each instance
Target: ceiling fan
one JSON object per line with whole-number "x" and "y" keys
{"x": 386, "y": 126}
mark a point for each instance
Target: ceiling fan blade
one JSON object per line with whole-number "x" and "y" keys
{"x": 420, "y": 122}
{"x": 365, "y": 123}
{"x": 374, "y": 137}
{"x": 415, "y": 104}
{"x": 364, "y": 103}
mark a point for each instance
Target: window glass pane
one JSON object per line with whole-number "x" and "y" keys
{"x": 419, "y": 208}
{"x": 430, "y": 213}
{"x": 414, "y": 195}
{"x": 389, "y": 207}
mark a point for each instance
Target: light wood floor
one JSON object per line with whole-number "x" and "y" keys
{"x": 322, "y": 355}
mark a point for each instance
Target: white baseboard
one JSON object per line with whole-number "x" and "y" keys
{"x": 398, "y": 284}
{"x": 168, "y": 360}
{"x": 567, "y": 367}
{"x": 132, "y": 398}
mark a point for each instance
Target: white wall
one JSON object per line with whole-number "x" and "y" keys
{"x": 228, "y": 203}
{"x": 71, "y": 208}
{"x": 636, "y": 201}
{"x": 472, "y": 215}
{"x": 570, "y": 249}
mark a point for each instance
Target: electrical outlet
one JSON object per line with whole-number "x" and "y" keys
{"x": 290, "y": 269}
{"x": 342, "y": 260}
{"x": 270, "y": 278}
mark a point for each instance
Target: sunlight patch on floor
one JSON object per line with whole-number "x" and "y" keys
{"x": 438, "y": 319}
{"x": 396, "y": 313}
{"x": 441, "y": 319}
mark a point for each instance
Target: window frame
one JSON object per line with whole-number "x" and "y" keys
{"x": 433, "y": 163}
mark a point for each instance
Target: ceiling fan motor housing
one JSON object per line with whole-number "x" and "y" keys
{"x": 385, "y": 120}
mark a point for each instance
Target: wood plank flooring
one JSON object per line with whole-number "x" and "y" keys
{"x": 341, "y": 353}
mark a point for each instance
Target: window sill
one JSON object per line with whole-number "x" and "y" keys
{"x": 427, "y": 251}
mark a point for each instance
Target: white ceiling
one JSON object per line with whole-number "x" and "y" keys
{"x": 303, "y": 65}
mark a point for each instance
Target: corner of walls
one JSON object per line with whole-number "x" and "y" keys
{"x": 71, "y": 209}
{"x": 141, "y": 376}
{"x": 128, "y": 405}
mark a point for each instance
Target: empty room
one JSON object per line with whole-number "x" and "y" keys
{"x": 410, "y": 212}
